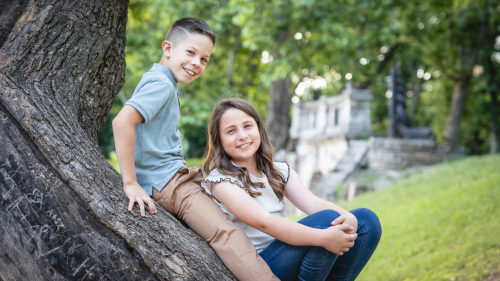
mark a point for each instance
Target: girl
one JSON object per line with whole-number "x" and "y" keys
{"x": 329, "y": 244}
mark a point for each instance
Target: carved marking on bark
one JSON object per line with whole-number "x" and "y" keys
{"x": 40, "y": 219}
{"x": 59, "y": 74}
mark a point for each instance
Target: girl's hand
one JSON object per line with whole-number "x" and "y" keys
{"x": 336, "y": 239}
{"x": 349, "y": 219}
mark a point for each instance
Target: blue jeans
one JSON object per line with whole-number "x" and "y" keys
{"x": 310, "y": 263}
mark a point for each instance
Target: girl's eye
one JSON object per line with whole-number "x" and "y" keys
{"x": 248, "y": 126}
{"x": 230, "y": 131}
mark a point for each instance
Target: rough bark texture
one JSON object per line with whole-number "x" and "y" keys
{"x": 278, "y": 106}
{"x": 277, "y": 120}
{"x": 61, "y": 66}
{"x": 452, "y": 130}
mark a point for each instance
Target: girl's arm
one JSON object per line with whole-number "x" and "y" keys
{"x": 253, "y": 214}
{"x": 309, "y": 203}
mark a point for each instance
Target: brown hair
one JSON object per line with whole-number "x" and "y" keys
{"x": 189, "y": 25}
{"x": 217, "y": 158}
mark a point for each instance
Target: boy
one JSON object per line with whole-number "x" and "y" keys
{"x": 148, "y": 147}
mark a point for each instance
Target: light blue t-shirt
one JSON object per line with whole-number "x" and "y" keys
{"x": 157, "y": 139}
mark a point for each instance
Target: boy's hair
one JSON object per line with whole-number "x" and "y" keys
{"x": 189, "y": 25}
{"x": 216, "y": 157}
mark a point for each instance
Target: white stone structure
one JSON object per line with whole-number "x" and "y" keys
{"x": 321, "y": 131}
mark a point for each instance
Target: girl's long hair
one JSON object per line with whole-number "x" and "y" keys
{"x": 217, "y": 158}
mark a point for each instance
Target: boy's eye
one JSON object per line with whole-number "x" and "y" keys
{"x": 204, "y": 60}
{"x": 190, "y": 52}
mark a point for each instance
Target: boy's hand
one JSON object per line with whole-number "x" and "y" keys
{"x": 349, "y": 219}
{"x": 136, "y": 193}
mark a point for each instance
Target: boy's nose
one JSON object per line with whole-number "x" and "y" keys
{"x": 195, "y": 61}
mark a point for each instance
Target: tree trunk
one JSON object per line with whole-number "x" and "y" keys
{"x": 495, "y": 126}
{"x": 277, "y": 120}
{"x": 493, "y": 87}
{"x": 414, "y": 99}
{"x": 452, "y": 130}
{"x": 230, "y": 60}
{"x": 63, "y": 213}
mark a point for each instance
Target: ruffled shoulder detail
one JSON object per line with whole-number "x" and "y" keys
{"x": 283, "y": 168}
{"x": 216, "y": 177}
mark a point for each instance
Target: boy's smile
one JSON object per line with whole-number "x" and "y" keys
{"x": 187, "y": 59}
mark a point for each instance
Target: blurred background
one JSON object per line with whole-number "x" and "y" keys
{"x": 421, "y": 78}
{"x": 265, "y": 47}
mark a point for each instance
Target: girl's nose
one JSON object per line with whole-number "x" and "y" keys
{"x": 242, "y": 134}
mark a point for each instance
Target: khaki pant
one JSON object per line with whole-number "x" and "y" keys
{"x": 184, "y": 198}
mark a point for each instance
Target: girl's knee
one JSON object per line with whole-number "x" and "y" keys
{"x": 368, "y": 218}
{"x": 364, "y": 213}
{"x": 328, "y": 213}
{"x": 321, "y": 219}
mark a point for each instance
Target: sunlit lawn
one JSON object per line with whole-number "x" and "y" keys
{"x": 443, "y": 224}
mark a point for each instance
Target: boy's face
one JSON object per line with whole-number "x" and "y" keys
{"x": 188, "y": 58}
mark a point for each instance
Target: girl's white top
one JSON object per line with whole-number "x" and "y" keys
{"x": 268, "y": 200}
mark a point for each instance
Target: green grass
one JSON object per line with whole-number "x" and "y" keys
{"x": 442, "y": 224}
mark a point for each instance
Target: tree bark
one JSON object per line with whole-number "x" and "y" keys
{"x": 452, "y": 130}
{"x": 63, "y": 213}
{"x": 414, "y": 99}
{"x": 278, "y": 105}
{"x": 230, "y": 60}
{"x": 495, "y": 124}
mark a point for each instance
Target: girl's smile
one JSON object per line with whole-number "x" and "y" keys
{"x": 243, "y": 146}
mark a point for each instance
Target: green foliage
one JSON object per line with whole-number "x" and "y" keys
{"x": 439, "y": 225}
{"x": 113, "y": 161}
{"x": 105, "y": 135}
{"x": 439, "y": 37}
{"x": 190, "y": 162}
{"x": 195, "y": 162}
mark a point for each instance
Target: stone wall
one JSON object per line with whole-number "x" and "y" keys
{"x": 387, "y": 153}
{"x": 330, "y": 117}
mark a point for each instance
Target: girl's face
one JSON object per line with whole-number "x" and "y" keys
{"x": 239, "y": 135}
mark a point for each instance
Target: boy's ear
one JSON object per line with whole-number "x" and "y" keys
{"x": 166, "y": 47}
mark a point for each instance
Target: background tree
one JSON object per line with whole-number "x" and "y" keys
{"x": 452, "y": 35}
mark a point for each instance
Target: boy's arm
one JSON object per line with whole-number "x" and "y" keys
{"x": 124, "y": 134}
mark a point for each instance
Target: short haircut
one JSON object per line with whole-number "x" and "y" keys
{"x": 189, "y": 25}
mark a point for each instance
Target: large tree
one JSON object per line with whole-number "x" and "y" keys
{"x": 63, "y": 214}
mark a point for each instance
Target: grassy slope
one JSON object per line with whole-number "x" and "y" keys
{"x": 439, "y": 225}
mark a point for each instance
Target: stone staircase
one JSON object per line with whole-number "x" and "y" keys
{"x": 355, "y": 157}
